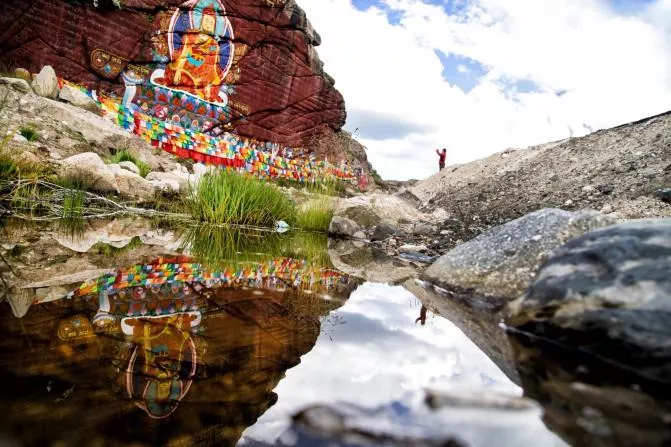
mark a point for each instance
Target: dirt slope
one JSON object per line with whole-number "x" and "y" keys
{"x": 619, "y": 170}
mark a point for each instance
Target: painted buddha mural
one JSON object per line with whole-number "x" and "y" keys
{"x": 201, "y": 51}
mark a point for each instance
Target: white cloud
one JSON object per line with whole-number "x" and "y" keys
{"x": 613, "y": 69}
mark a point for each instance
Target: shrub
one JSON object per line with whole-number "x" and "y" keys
{"x": 125, "y": 155}
{"x": 226, "y": 197}
{"x": 29, "y": 133}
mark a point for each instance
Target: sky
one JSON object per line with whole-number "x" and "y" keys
{"x": 480, "y": 76}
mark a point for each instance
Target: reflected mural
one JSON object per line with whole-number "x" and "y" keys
{"x": 161, "y": 352}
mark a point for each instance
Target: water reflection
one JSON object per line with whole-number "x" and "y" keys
{"x": 197, "y": 351}
{"x": 380, "y": 359}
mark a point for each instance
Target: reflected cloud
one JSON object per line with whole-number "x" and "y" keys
{"x": 379, "y": 355}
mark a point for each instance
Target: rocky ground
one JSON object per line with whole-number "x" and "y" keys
{"x": 624, "y": 172}
{"x": 72, "y": 138}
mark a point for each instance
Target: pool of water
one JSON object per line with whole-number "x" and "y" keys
{"x": 127, "y": 334}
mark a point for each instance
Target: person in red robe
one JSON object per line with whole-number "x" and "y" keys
{"x": 442, "y": 155}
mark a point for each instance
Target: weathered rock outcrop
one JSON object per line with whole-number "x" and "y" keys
{"x": 248, "y": 65}
{"x": 500, "y": 263}
{"x": 608, "y": 295}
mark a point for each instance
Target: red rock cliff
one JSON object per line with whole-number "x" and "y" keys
{"x": 245, "y": 65}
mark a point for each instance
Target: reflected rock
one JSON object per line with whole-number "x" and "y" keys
{"x": 591, "y": 336}
{"x": 368, "y": 262}
{"x": 162, "y": 352}
{"x": 432, "y": 419}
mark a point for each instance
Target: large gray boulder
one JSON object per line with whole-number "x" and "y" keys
{"x": 362, "y": 215}
{"x": 342, "y": 226}
{"x": 45, "y": 84}
{"x": 501, "y": 262}
{"x": 592, "y": 338}
{"x": 166, "y": 181}
{"x": 132, "y": 185}
{"x": 78, "y": 98}
{"x": 608, "y": 292}
{"x": 129, "y": 166}
{"x": 20, "y": 85}
{"x": 90, "y": 169}
{"x": 384, "y": 230}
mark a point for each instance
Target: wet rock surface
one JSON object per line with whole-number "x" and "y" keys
{"x": 384, "y": 230}
{"x": 608, "y": 293}
{"x": 591, "y": 336}
{"x": 501, "y": 262}
{"x": 369, "y": 262}
{"x": 343, "y": 227}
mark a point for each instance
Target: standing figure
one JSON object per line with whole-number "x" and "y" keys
{"x": 201, "y": 51}
{"x": 441, "y": 160}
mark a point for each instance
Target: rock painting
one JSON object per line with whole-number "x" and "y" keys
{"x": 194, "y": 55}
{"x": 213, "y": 65}
{"x": 200, "y": 43}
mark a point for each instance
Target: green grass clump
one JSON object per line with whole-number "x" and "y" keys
{"x": 226, "y": 197}
{"x": 315, "y": 215}
{"x": 125, "y": 155}
{"x": 74, "y": 182}
{"x": 8, "y": 166}
{"x": 29, "y": 133}
{"x": 331, "y": 187}
{"x": 73, "y": 205}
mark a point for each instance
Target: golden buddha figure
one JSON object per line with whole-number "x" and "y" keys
{"x": 195, "y": 63}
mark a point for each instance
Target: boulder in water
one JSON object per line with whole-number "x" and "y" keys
{"x": 591, "y": 336}
{"x": 342, "y": 226}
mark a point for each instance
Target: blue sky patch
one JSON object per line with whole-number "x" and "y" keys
{"x": 394, "y": 16}
{"x": 463, "y": 72}
{"x": 520, "y": 85}
{"x": 629, "y": 7}
{"x": 451, "y": 7}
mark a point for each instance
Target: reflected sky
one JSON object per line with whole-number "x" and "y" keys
{"x": 371, "y": 352}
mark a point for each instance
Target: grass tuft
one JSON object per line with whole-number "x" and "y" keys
{"x": 125, "y": 155}
{"x": 29, "y": 133}
{"x": 315, "y": 215}
{"x": 8, "y": 166}
{"x": 226, "y": 197}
